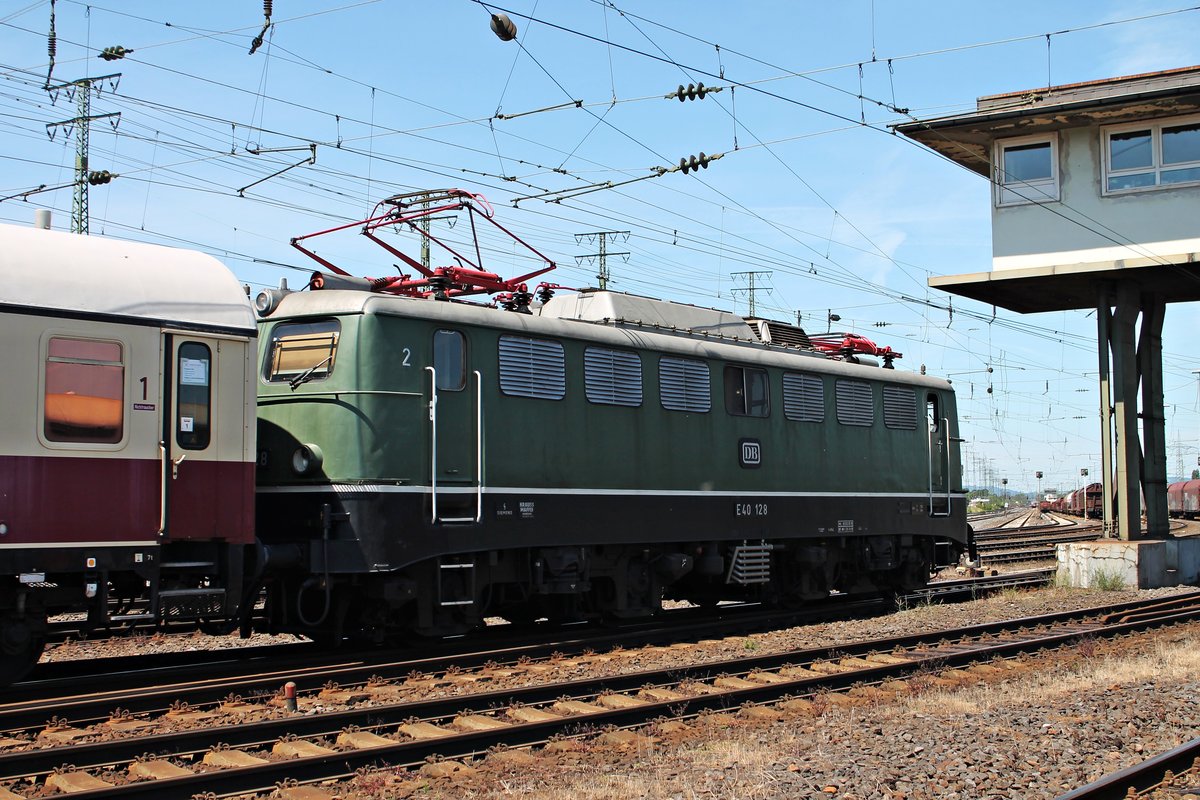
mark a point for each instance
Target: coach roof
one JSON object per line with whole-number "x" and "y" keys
{"x": 94, "y": 275}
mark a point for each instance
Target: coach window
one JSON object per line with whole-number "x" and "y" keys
{"x": 449, "y": 361}
{"x": 193, "y": 396}
{"x": 747, "y": 392}
{"x": 85, "y": 391}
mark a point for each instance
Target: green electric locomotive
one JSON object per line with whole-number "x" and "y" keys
{"x": 425, "y": 462}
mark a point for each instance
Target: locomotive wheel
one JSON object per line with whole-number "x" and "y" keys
{"x": 22, "y": 640}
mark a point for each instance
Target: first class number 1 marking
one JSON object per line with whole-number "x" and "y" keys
{"x": 750, "y": 509}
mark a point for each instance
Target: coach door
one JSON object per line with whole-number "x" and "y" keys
{"x": 191, "y": 473}
{"x": 455, "y": 430}
{"x": 939, "y": 456}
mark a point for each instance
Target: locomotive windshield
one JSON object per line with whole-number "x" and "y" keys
{"x": 302, "y": 351}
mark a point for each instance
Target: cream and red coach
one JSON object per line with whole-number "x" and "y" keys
{"x": 126, "y": 435}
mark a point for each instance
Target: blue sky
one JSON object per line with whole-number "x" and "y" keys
{"x": 811, "y": 187}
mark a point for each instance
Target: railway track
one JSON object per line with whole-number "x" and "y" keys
{"x": 54, "y": 684}
{"x": 1173, "y": 774}
{"x": 243, "y": 747}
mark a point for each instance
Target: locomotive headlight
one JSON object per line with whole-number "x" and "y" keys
{"x": 307, "y": 459}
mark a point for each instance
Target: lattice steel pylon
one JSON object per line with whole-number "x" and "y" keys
{"x": 82, "y": 90}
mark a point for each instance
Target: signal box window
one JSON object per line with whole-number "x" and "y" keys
{"x": 85, "y": 391}
{"x": 449, "y": 360}
{"x": 193, "y": 396}
{"x": 747, "y": 392}
{"x": 683, "y": 384}
{"x": 1152, "y": 156}
{"x": 302, "y": 351}
{"x": 1026, "y": 170}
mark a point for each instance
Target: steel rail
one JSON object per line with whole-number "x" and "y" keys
{"x": 1030, "y": 637}
{"x": 1140, "y": 777}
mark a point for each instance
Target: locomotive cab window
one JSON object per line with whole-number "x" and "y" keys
{"x": 747, "y": 392}
{"x": 85, "y": 391}
{"x": 193, "y": 393}
{"x": 302, "y": 351}
{"x": 932, "y": 413}
{"x": 449, "y": 360}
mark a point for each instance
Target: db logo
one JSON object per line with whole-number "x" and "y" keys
{"x": 751, "y": 452}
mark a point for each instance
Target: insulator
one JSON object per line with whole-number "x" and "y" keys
{"x": 693, "y": 91}
{"x": 52, "y": 46}
{"x": 114, "y": 53}
{"x": 267, "y": 8}
{"x": 693, "y": 163}
{"x": 504, "y": 27}
{"x": 97, "y": 178}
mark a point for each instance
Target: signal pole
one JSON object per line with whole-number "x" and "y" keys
{"x": 603, "y": 255}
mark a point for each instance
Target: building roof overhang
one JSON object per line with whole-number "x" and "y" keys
{"x": 967, "y": 138}
{"x": 1074, "y": 286}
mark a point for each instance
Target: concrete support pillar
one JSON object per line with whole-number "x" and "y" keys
{"x": 1128, "y": 464}
{"x": 1103, "y": 335}
{"x": 1134, "y": 460}
{"x": 1154, "y": 430}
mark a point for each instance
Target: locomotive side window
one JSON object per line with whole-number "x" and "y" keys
{"x": 302, "y": 351}
{"x": 747, "y": 392}
{"x": 85, "y": 391}
{"x": 932, "y": 414}
{"x": 803, "y": 397}
{"x": 193, "y": 392}
{"x": 855, "y": 403}
{"x": 612, "y": 377}
{"x": 449, "y": 360}
{"x": 900, "y": 408}
{"x": 532, "y": 368}
{"x": 684, "y": 384}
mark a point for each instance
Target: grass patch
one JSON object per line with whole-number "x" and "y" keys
{"x": 1107, "y": 581}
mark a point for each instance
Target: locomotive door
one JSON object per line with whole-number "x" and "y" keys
{"x": 939, "y": 457}
{"x": 455, "y": 431}
{"x": 191, "y": 489}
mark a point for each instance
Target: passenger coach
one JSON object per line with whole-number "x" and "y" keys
{"x": 126, "y": 438}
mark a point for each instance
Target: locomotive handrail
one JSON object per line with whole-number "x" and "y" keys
{"x": 478, "y": 446}
{"x": 433, "y": 442}
{"x": 284, "y": 398}
{"x": 162, "y": 514}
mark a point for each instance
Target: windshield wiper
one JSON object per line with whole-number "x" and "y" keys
{"x": 307, "y": 375}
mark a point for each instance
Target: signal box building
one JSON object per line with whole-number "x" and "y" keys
{"x": 1095, "y": 205}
